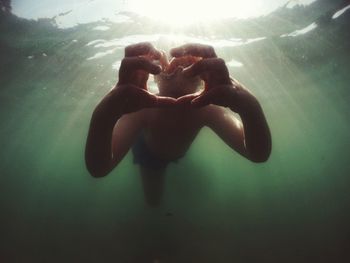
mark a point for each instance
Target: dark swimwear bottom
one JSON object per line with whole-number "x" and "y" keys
{"x": 144, "y": 157}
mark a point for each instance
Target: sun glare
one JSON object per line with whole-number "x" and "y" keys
{"x": 183, "y": 12}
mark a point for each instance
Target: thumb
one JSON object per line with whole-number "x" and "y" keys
{"x": 150, "y": 100}
{"x": 205, "y": 98}
{"x": 186, "y": 99}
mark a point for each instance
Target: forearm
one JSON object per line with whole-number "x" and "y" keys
{"x": 257, "y": 137}
{"x": 98, "y": 151}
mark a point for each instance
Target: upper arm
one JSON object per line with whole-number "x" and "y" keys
{"x": 125, "y": 133}
{"x": 227, "y": 126}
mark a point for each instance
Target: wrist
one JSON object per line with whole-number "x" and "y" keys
{"x": 243, "y": 102}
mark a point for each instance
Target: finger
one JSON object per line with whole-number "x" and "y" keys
{"x": 147, "y": 99}
{"x": 150, "y": 101}
{"x": 164, "y": 102}
{"x": 142, "y": 49}
{"x": 186, "y": 99}
{"x": 181, "y": 62}
{"x": 213, "y": 65}
{"x": 163, "y": 60}
{"x": 197, "y": 50}
{"x": 131, "y": 64}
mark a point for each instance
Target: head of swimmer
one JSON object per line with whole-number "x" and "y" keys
{"x": 172, "y": 82}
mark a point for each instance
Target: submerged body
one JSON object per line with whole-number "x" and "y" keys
{"x": 161, "y": 128}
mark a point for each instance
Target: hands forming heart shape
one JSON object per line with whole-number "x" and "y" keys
{"x": 178, "y": 80}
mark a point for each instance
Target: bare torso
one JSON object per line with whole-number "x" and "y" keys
{"x": 170, "y": 132}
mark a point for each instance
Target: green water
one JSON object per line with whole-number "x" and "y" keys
{"x": 217, "y": 207}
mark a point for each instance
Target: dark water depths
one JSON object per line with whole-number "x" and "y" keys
{"x": 217, "y": 206}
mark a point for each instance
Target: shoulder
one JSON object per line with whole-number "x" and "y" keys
{"x": 135, "y": 119}
{"x": 213, "y": 113}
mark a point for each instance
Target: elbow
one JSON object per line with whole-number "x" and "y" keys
{"x": 260, "y": 157}
{"x": 96, "y": 172}
{"x": 95, "y": 168}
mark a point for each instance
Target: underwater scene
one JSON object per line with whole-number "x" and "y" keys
{"x": 59, "y": 59}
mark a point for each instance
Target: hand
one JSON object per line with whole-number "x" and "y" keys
{"x": 131, "y": 94}
{"x": 220, "y": 89}
{"x": 138, "y": 63}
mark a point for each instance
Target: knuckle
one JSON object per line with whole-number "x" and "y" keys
{"x": 134, "y": 62}
{"x": 138, "y": 49}
{"x": 125, "y": 62}
{"x": 210, "y": 49}
{"x": 147, "y": 44}
{"x": 220, "y": 62}
{"x": 128, "y": 50}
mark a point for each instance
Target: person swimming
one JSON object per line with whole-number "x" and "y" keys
{"x": 160, "y": 128}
